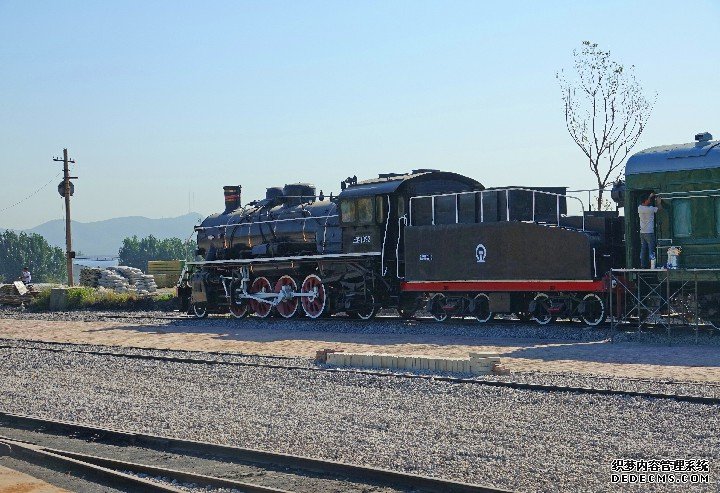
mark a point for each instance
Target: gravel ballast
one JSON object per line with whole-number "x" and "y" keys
{"x": 565, "y": 379}
{"x": 516, "y": 439}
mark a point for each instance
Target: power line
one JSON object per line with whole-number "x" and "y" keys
{"x": 32, "y": 194}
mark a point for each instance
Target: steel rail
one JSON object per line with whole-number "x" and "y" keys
{"x": 363, "y": 474}
{"x": 80, "y": 468}
{"x": 693, "y": 399}
{"x": 115, "y": 469}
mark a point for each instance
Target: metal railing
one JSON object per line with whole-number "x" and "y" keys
{"x": 661, "y": 298}
{"x": 271, "y": 221}
{"x": 507, "y": 191}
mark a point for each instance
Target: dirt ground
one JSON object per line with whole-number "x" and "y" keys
{"x": 16, "y": 482}
{"x": 635, "y": 360}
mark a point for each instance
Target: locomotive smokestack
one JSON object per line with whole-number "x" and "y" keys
{"x": 232, "y": 197}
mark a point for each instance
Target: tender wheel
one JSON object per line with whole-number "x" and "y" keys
{"x": 260, "y": 285}
{"x": 481, "y": 308}
{"x": 313, "y": 305}
{"x": 366, "y": 313}
{"x": 200, "y": 309}
{"x": 594, "y": 310}
{"x": 544, "y": 318}
{"x": 288, "y": 307}
{"x": 437, "y": 310}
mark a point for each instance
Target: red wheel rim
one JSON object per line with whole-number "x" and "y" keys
{"x": 239, "y": 311}
{"x": 287, "y": 307}
{"x": 260, "y": 285}
{"x": 313, "y": 305}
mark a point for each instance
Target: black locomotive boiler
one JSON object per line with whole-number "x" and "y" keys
{"x": 402, "y": 241}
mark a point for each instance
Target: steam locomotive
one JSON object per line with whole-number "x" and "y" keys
{"x": 424, "y": 239}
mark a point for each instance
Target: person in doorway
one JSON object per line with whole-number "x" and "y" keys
{"x": 26, "y": 277}
{"x": 646, "y": 211}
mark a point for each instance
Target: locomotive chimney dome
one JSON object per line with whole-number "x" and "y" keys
{"x": 273, "y": 193}
{"x": 232, "y": 197}
{"x": 298, "y": 193}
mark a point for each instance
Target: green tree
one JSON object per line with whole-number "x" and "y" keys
{"x": 135, "y": 252}
{"x": 18, "y": 250}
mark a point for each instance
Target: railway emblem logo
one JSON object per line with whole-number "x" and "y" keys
{"x": 480, "y": 253}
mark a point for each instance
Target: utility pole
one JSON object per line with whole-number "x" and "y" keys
{"x": 66, "y": 189}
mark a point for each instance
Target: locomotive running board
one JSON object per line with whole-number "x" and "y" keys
{"x": 329, "y": 256}
{"x": 504, "y": 286}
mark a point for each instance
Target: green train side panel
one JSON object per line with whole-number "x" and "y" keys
{"x": 686, "y": 175}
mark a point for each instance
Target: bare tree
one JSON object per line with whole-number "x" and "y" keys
{"x": 606, "y": 111}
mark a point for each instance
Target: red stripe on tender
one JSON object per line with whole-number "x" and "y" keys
{"x": 504, "y": 286}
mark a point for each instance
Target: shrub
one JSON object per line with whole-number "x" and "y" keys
{"x": 41, "y": 301}
{"x": 80, "y": 298}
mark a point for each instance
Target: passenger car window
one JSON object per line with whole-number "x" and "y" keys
{"x": 364, "y": 208}
{"x": 682, "y": 218}
{"x": 348, "y": 211}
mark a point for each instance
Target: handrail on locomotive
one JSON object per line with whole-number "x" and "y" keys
{"x": 558, "y": 198}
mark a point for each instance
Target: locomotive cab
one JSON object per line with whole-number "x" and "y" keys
{"x": 362, "y": 220}
{"x": 374, "y": 213}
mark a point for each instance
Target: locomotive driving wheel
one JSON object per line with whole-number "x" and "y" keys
{"x": 313, "y": 305}
{"x": 594, "y": 312}
{"x": 287, "y": 287}
{"x": 239, "y": 310}
{"x": 259, "y": 286}
{"x": 238, "y": 307}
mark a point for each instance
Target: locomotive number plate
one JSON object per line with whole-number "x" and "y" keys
{"x": 361, "y": 239}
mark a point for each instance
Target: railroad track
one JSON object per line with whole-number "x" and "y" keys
{"x": 423, "y": 320}
{"x": 63, "y": 347}
{"x": 30, "y": 439}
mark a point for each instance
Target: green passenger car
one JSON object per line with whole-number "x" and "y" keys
{"x": 687, "y": 179}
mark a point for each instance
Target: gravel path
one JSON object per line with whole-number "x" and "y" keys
{"x": 521, "y": 440}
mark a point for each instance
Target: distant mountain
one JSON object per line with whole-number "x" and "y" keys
{"x": 105, "y": 237}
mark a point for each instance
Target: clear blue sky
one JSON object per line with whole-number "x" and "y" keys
{"x": 158, "y": 99}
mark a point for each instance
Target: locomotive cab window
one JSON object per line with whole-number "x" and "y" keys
{"x": 357, "y": 211}
{"x": 348, "y": 211}
{"x": 400, "y": 207}
{"x": 364, "y": 207}
{"x": 380, "y": 206}
{"x": 717, "y": 216}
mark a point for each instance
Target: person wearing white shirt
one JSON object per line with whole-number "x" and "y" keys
{"x": 25, "y": 277}
{"x": 646, "y": 211}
